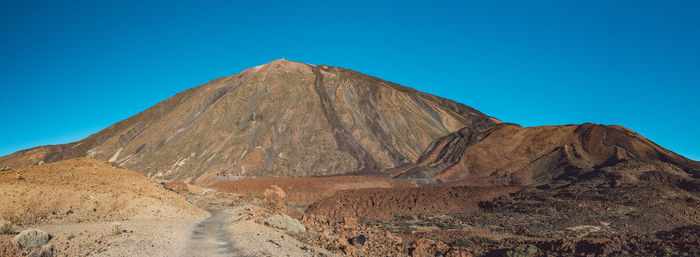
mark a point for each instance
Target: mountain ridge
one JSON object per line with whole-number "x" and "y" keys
{"x": 507, "y": 153}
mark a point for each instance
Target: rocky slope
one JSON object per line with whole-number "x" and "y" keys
{"x": 279, "y": 119}
{"x": 507, "y": 154}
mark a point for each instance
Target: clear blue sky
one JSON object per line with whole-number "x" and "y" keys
{"x": 71, "y": 68}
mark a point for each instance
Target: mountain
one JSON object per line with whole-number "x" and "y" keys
{"x": 290, "y": 119}
{"x": 506, "y": 154}
{"x": 279, "y": 119}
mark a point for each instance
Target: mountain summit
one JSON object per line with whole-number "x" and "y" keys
{"x": 283, "y": 118}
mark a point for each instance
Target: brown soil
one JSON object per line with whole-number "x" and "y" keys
{"x": 390, "y": 202}
{"x": 6, "y": 247}
{"x": 308, "y": 190}
{"x": 83, "y": 189}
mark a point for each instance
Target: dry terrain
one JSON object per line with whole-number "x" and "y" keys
{"x": 151, "y": 237}
{"x": 81, "y": 190}
{"x": 604, "y": 215}
{"x": 79, "y": 201}
{"x": 391, "y": 202}
{"x": 306, "y": 191}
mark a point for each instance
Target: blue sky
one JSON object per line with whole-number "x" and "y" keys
{"x": 71, "y": 68}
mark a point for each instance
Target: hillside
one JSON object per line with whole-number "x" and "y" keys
{"x": 81, "y": 190}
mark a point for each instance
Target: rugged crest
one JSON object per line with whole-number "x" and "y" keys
{"x": 507, "y": 154}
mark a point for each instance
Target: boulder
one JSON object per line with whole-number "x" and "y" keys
{"x": 286, "y": 223}
{"x": 31, "y": 238}
{"x": 358, "y": 240}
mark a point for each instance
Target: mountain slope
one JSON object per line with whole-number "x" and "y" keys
{"x": 509, "y": 154}
{"x": 279, "y": 119}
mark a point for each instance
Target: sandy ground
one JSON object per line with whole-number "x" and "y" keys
{"x": 138, "y": 238}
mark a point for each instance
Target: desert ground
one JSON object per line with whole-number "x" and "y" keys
{"x": 95, "y": 208}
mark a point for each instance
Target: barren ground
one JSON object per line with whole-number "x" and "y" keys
{"x": 85, "y": 190}
{"x": 308, "y": 190}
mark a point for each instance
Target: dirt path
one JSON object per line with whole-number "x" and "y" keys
{"x": 227, "y": 233}
{"x": 211, "y": 237}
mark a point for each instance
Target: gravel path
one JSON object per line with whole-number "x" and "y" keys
{"x": 226, "y": 233}
{"x": 211, "y": 237}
